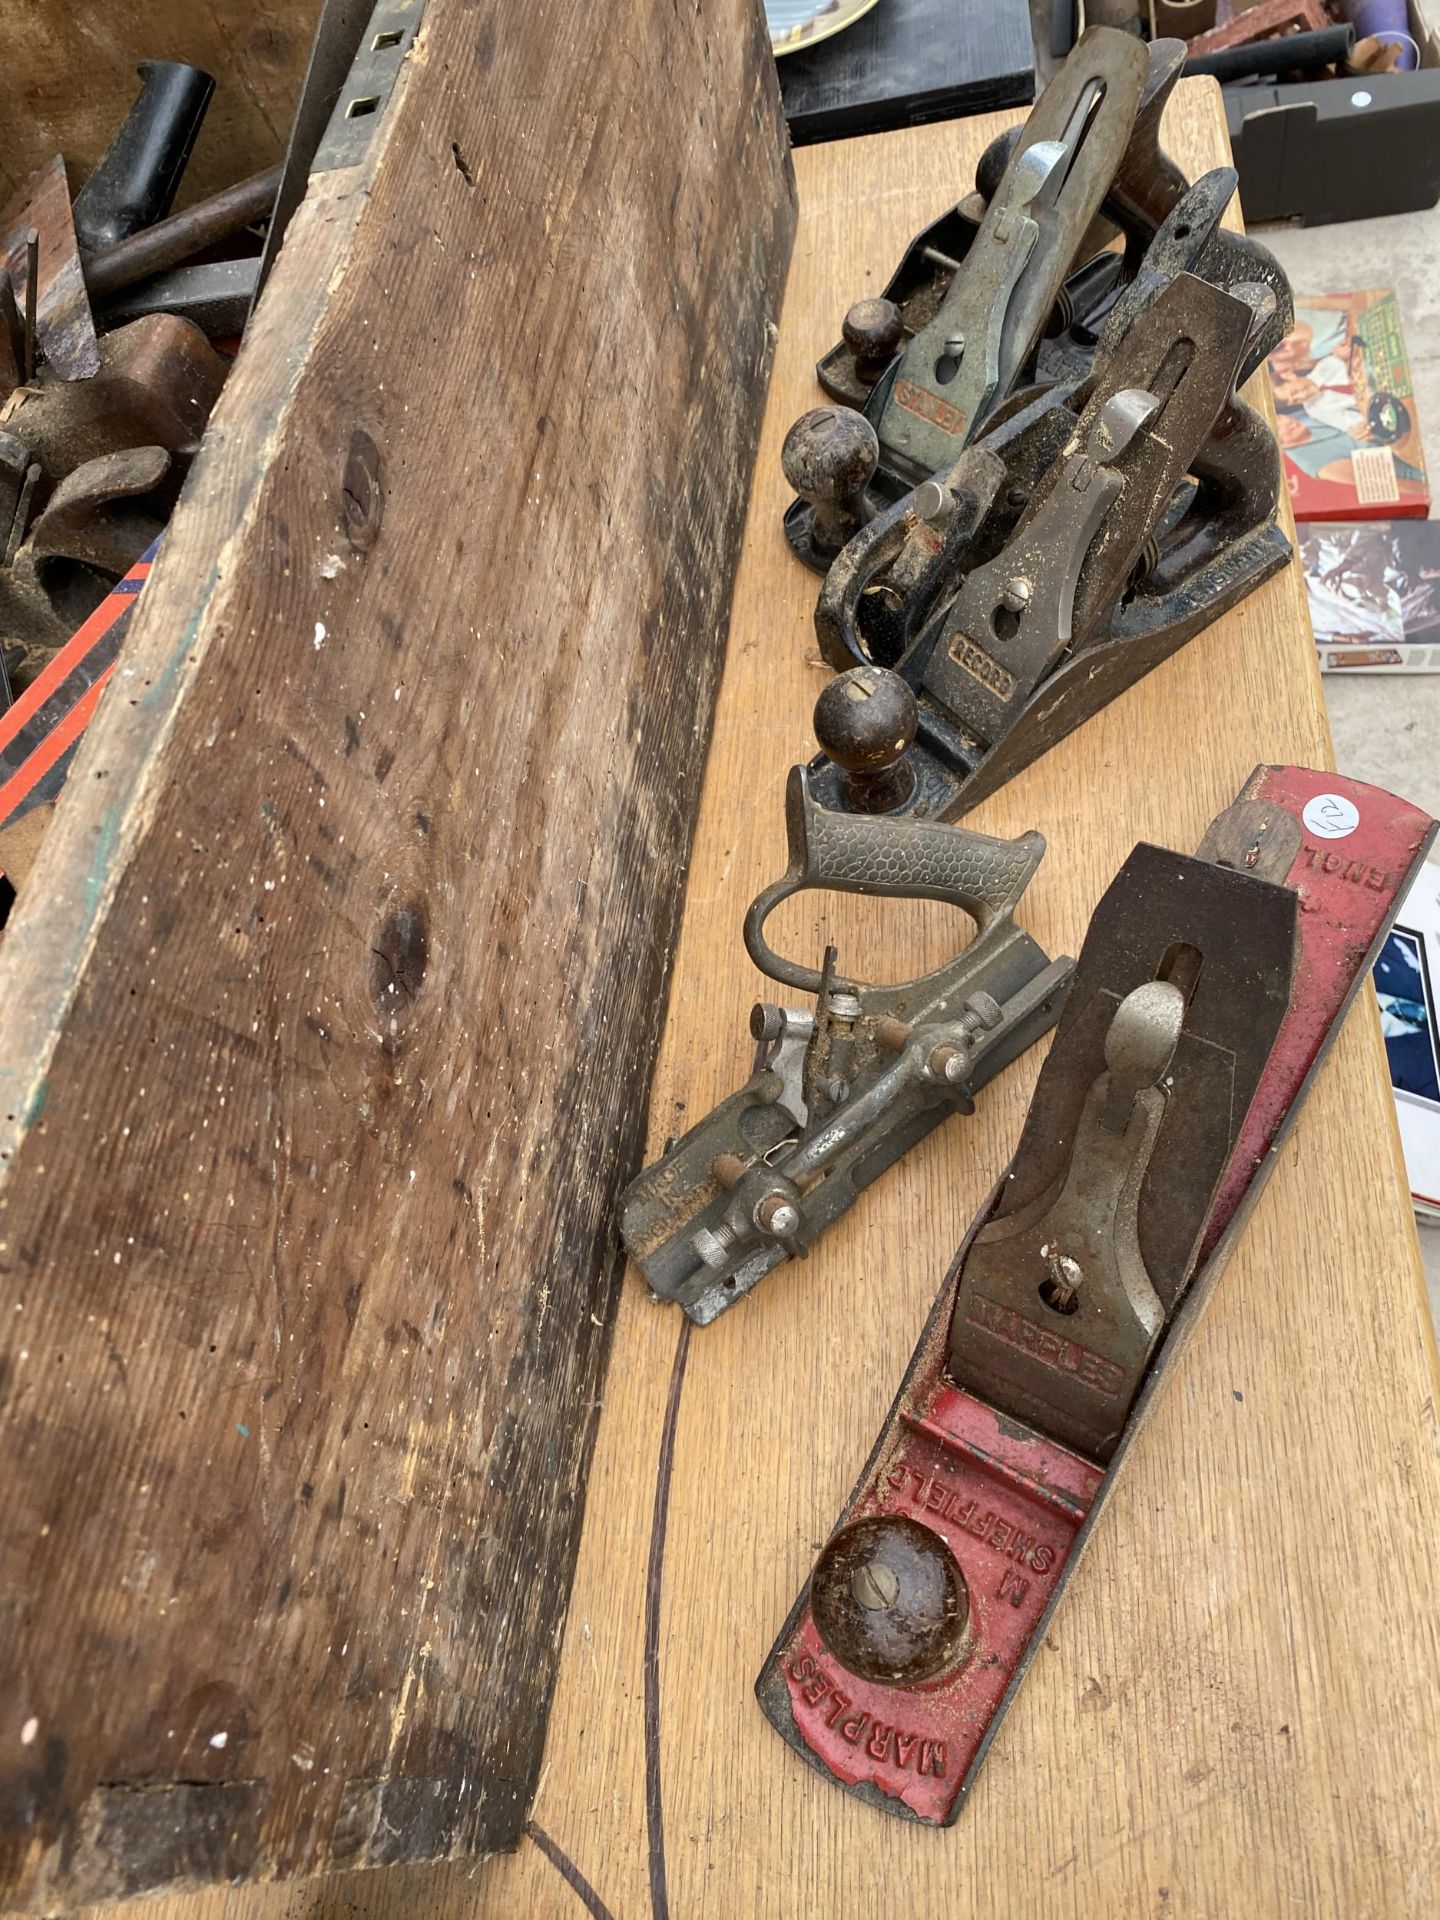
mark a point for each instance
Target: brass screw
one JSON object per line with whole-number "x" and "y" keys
{"x": 1062, "y": 1289}
{"x": 875, "y": 1586}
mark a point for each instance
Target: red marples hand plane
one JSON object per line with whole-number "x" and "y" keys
{"x": 1207, "y": 992}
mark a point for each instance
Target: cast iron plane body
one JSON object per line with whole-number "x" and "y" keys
{"x": 1207, "y": 992}
{"x": 841, "y": 1092}
{"x": 1009, "y": 289}
{"x": 947, "y": 380}
{"x": 1146, "y": 185}
{"x": 1091, "y": 534}
{"x": 1042, "y": 480}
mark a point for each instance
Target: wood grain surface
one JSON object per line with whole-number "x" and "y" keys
{"x": 333, "y": 999}
{"x": 1233, "y": 1714}
{"x": 70, "y": 80}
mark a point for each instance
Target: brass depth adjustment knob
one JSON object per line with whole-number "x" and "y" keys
{"x": 829, "y": 456}
{"x": 872, "y": 330}
{"x": 865, "y": 720}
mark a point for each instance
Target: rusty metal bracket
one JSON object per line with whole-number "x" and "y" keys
{"x": 843, "y": 1090}
{"x": 158, "y": 381}
{"x": 93, "y": 528}
{"x": 364, "y": 96}
{"x": 1207, "y": 993}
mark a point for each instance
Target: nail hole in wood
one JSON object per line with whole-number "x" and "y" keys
{"x": 362, "y": 498}
{"x": 399, "y": 958}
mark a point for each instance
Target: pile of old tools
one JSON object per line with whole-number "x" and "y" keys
{"x": 1263, "y": 39}
{"x": 1290, "y": 39}
{"x": 1036, "y": 481}
{"x": 112, "y": 355}
{"x": 1040, "y": 480}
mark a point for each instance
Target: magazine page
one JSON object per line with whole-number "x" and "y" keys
{"x": 1405, "y": 973}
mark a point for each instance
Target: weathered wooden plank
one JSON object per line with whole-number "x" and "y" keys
{"x": 331, "y": 1007}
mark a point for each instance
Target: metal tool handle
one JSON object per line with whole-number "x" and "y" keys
{"x": 157, "y": 248}
{"x": 140, "y": 171}
{"x": 967, "y": 490}
{"x": 895, "y": 858}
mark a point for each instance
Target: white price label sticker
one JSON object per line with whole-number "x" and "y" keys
{"x": 1330, "y": 816}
